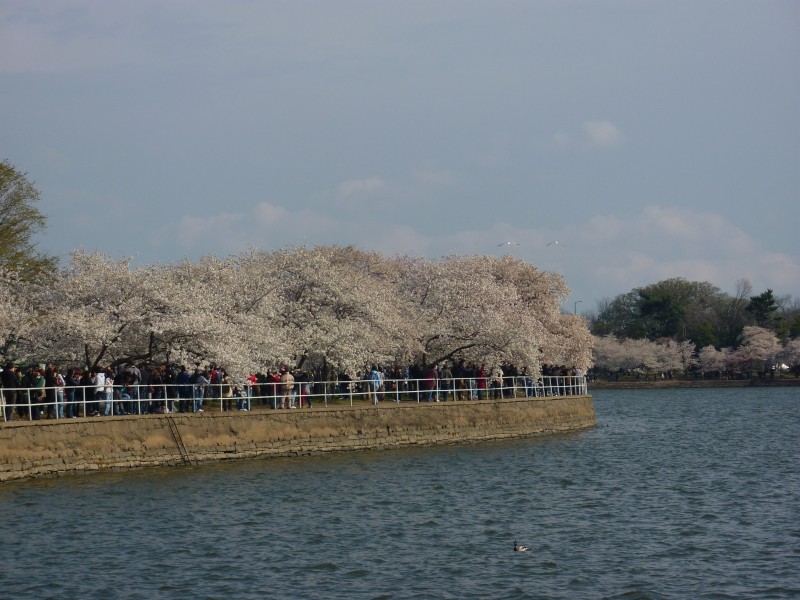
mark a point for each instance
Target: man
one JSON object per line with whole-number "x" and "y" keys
{"x": 199, "y": 382}
{"x": 8, "y": 381}
{"x": 287, "y": 387}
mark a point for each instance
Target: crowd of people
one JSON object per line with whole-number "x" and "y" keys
{"x": 52, "y": 392}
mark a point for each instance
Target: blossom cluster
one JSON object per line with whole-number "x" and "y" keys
{"x": 333, "y": 309}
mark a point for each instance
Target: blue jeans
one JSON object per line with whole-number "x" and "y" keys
{"x": 198, "y": 399}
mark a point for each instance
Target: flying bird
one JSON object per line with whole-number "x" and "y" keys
{"x": 551, "y": 243}
{"x": 519, "y": 548}
{"x": 508, "y": 244}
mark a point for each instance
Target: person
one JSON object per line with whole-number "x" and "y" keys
{"x": 239, "y": 395}
{"x": 274, "y": 383}
{"x": 459, "y": 372}
{"x": 307, "y": 385}
{"x": 251, "y": 389}
{"x": 497, "y": 384}
{"x": 60, "y": 383}
{"x": 86, "y": 393}
{"x": 287, "y": 387}
{"x": 184, "y": 389}
{"x": 199, "y": 388}
{"x": 9, "y": 380}
{"x": 375, "y": 381}
{"x": 299, "y": 389}
{"x": 226, "y": 389}
{"x": 99, "y": 383}
{"x": 122, "y": 399}
{"x": 430, "y": 383}
{"x": 530, "y": 388}
{"x": 108, "y": 393}
{"x": 446, "y": 380}
{"x": 481, "y": 377}
{"x": 51, "y": 401}
{"x": 134, "y": 389}
{"x": 156, "y": 390}
{"x": 170, "y": 375}
{"x": 37, "y": 384}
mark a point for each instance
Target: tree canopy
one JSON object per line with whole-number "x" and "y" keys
{"x": 20, "y": 221}
{"x": 328, "y": 308}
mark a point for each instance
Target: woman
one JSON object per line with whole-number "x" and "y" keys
{"x": 108, "y": 392}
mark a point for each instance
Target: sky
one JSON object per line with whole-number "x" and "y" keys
{"x": 650, "y": 139}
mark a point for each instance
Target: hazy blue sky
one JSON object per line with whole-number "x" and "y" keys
{"x": 651, "y": 139}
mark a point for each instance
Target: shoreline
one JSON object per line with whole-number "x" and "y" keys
{"x": 691, "y": 383}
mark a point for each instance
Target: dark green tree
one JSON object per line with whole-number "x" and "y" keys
{"x": 619, "y": 317}
{"x": 763, "y": 309}
{"x": 20, "y": 221}
{"x": 662, "y": 313}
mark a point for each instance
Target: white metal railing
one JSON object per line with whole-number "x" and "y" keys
{"x": 100, "y": 400}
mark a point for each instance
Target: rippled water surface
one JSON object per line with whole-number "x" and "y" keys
{"x": 675, "y": 494}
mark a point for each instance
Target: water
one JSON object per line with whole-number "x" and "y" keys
{"x": 675, "y": 494}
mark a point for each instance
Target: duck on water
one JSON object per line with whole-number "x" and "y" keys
{"x": 519, "y": 547}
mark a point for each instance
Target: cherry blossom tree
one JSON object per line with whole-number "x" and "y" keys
{"x": 790, "y": 354}
{"x": 100, "y": 310}
{"x": 759, "y": 348}
{"x": 20, "y": 311}
{"x": 607, "y": 353}
{"x": 487, "y": 310}
{"x": 675, "y": 356}
{"x": 711, "y": 360}
{"x": 337, "y": 312}
{"x": 332, "y": 309}
{"x": 643, "y": 355}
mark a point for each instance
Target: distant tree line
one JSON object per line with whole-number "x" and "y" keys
{"x": 648, "y": 327}
{"x": 695, "y": 311}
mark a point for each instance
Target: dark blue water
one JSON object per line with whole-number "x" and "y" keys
{"x": 675, "y": 494}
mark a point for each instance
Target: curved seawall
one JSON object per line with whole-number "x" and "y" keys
{"x": 48, "y": 448}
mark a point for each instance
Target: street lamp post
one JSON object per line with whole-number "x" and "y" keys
{"x": 575, "y": 310}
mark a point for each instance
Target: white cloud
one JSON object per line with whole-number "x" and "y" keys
{"x": 602, "y": 134}
{"x": 223, "y": 231}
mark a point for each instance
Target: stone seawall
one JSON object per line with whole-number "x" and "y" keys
{"x": 75, "y": 446}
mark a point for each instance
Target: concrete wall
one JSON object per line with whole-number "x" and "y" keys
{"x": 46, "y": 448}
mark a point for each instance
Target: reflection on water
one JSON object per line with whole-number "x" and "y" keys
{"x": 675, "y": 494}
